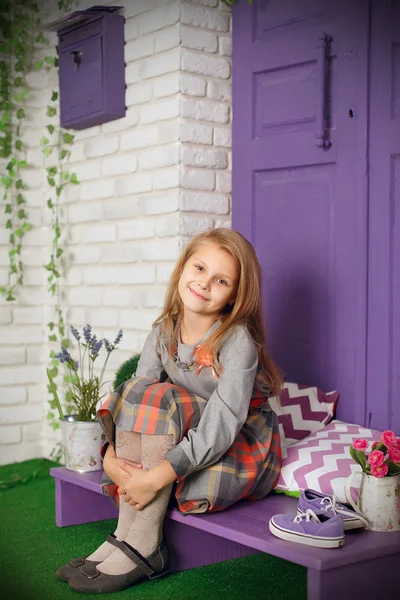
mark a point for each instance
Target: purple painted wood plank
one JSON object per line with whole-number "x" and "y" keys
{"x": 384, "y": 223}
{"x": 304, "y": 208}
{"x": 90, "y": 480}
{"x": 191, "y": 548}
{"x": 253, "y": 531}
{"x": 246, "y": 524}
{"x": 376, "y": 578}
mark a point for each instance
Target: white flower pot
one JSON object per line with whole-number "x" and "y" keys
{"x": 81, "y": 441}
{"x": 378, "y": 501}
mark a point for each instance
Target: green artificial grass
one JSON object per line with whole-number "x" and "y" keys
{"x": 32, "y": 547}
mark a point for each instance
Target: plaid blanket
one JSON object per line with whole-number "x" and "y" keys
{"x": 248, "y": 470}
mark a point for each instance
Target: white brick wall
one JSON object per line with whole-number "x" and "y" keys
{"x": 148, "y": 182}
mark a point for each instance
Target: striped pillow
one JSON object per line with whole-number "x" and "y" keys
{"x": 322, "y": 460}
{"x": 303, "y": 410}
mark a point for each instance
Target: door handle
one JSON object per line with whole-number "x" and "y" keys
{"x": 322, "y": 46}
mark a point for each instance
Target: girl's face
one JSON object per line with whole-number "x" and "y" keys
{"x": 209, "y": 280}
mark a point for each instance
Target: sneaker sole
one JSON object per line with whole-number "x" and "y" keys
{"x": 347, "y": 523}
{"x": 308, "y": 540}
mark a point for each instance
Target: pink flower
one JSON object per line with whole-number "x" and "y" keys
{"x": 388, "y": 438}
{"x": 380, "y": 471}
{"x": 394, "y": 453}
{"x": 376, "y": 458}
{"x": 360, "y": 444}
{"x": 374, "y": 445}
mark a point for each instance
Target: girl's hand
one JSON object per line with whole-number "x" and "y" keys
{"x": 139, "y": 488}
{"x": 112, "y": 469}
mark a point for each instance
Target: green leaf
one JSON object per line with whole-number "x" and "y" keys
{"x": 47, "y": 151}
{"x": 20, "y": 113}
{"x": 68, "y": 138}
{"x": 6, "y": 182}
{"x": 59, "y": 252}
{"x": 18, "y": 145}
{"x": 74, "y": 179}
{"x": 19, "y": 184}
{"x": 360, "y": 457}
{"x": 50, "y": 325}
{"x": 394, "y": 469}
{"x": 49, "y": 60}
{"x": 51, "y": 181}
{"x": 37, "y": 65}
{"x": 8, "y": 209}
{"x": 50, "y": 129}
{"x": 63, "y": 153}
{"x": 40, "y": 39}
{"x": 52, "y": 338}
{"x": 54, "y": 96}
{"x": 44, "y": 141}
{"x": 50, "y": 204}
{"x": 51, "y": 111}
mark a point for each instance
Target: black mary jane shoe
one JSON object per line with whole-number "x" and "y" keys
{"x": 67, "y": 571}
{"x": 91, "y": 581}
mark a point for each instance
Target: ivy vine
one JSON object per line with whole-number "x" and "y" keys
{"x": 19, "y": 19}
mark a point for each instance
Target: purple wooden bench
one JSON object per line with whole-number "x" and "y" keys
{"x": 367, "y": 563}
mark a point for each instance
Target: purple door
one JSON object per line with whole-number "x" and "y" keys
{"x": 303, "y": 204}
{"x": 383, "y": 372}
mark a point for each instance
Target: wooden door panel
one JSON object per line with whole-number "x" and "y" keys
{"x": 303, "y": 206}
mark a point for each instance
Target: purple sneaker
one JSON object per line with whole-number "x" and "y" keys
{"x": 321, "y": 531}
{"x": 327, "y": 504}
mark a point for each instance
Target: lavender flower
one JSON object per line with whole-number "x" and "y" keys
{"x": 118, "y": 338}
{"x": 63, "y": 356}
{"x": 75, "y": 333}
{"x": 85, "y": 387}
{"x": 95, "y": 349}
{"x": 87, "y": 333}
{"x": 108, "y": 346}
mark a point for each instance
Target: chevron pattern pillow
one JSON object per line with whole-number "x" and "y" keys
{"x": 322, "y": 460}
{"x": 302, "y": 411}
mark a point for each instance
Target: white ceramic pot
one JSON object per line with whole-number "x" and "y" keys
{"x": 378, "y": 501}
{"x": 81, "y": 441}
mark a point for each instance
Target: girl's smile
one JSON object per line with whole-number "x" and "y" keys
{"x": 197, "y": 294}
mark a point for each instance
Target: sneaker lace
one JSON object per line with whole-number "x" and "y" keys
{"x": 330, "y": 504}
{"x": 308, "y": 515}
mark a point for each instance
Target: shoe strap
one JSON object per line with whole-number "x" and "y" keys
{"x": 77, "y": 562}
{"x": 138, "y": 559}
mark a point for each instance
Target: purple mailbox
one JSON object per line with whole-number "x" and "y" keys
{"x": 92, "y": 67}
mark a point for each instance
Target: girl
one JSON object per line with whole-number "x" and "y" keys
{"x": 196, "y": 412}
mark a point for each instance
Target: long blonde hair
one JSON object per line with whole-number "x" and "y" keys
{"x": 246, "y": 309}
